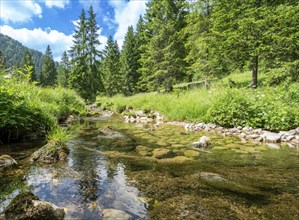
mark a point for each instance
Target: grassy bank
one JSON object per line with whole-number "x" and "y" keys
{"x": 271, "y": 108}
{"x": 27, "y": 108}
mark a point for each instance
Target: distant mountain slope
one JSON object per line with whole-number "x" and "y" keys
{"x": 13, "y": 51}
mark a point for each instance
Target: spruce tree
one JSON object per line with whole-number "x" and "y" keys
{"x": 198, "y": 42}
{"x": 111, "y": 68}
{"x": 129, "y": 63}
{"x": 163, "y": 60}
{"x": 79, "y": 65}
{"x": 85, "y": 77}
{"x": 64, "y": 70}
{"x": 28, "y": 62}
{"x": 49, "y": 73}
{"x": 141, "y": 42}
{"x": 93, "y": 54}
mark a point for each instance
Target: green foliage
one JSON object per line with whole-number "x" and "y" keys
{"x": 286, "y": 74}
{"x": 28, "y": 62}
{"x": 64, "y": 71}
{"x": 60, "y": 134}
{"x": 267, "y": 107}
{"x": 13, "y": 52}
{"x": 26, "y": 108}
{"x": 49, "y": 73}
{"x": 85, "y": 77}
{"x": 111, "y": 68}
{"x": 129, "y": 63}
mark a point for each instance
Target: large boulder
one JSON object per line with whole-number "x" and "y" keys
{"x": 114, "y": 214}
{"x": 6, "y": 161}
{"x": 203, "y": 143}
{"x": 28, "y": 206}
{"x": 52, "y": 152}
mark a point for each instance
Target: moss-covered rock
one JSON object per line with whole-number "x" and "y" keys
{"x": 52, "y": 152}
{"x": 143, "y": 151}
{"x": 161, "y": 153}
{"x": 6, "y": 161}
{"x": 28, "y": 206}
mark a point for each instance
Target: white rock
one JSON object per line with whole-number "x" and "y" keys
{"x": 114, "y": 214}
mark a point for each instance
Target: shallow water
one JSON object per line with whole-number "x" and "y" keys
{"x": 115, "y": 165}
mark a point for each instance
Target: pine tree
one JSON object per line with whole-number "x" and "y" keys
{"x": 163, "y": 60}
{"x": 79, "y": 65}
{"x": 141, "y": 42}
{"x": 85, "y": 76}
{"x": 49, "y": 73}
{"x": 111, "y": 68}
{"x": 28, "y": 62}
{"x": 64, "y": 70}
{"x": 93, "y": 54}
{"x": 199, "y": 58}
{"x": 129, "y": 63}
{"x": 250, "y": 32}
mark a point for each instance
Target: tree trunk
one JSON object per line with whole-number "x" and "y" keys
{"x": 255, "y": 64}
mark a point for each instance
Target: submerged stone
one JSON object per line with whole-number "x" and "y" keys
{"x": 6, "y": 161}
{"x": 114, "y": 214}
{"x": 204, "y": 142}
{"x": 28, "y": 206}
{"x": 161, "y": 153}
{"x": 52, "y": 152}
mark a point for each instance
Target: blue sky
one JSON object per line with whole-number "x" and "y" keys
{"x": 37, "y": 23}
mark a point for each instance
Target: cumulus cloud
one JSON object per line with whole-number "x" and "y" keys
{"x": 56, "y": 3}
{"x": 19, "y": 11}
{"x": 126, "y": 14}
{"x": 38, "y": 39}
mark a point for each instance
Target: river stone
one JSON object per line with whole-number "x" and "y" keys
{"x": 143, "y": 151}
{"x": 52, "y": 152}
{"x": 6, "y": 161}
{"x": 272, "y": 137}
{"x": 297, "y": 130}
{"x": 211, "y": 177}
{"x": 114, "y": 214}
{"x": 203, "y": 142}
{"x": 28, "y": 206}
{"x": 273, "y": 146}
{"x": 161, "y": 153}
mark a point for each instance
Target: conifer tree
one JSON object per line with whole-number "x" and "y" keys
{"x": 141, "y": 41}
{"x": 129, "y": 63}
{"x": 85, "y": 76}
{"x": 49, "y": 73}
{"x": 93, "y": 54}
{"x": 78, "y": 53}
{"x": 64, "y": 70}
{"x": 28, "y": 62}
{"x": 163, "y": 60}
{"x": 111, "y": 68}
{"x": 198, "y": 42}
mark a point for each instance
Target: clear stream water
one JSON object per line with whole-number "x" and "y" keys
{"x": 113, "y": 165}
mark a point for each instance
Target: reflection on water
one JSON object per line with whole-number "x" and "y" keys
{"x": 86, "y": 184}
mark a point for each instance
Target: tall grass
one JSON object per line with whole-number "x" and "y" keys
{"x": 272, "y": 108}
{"x": 26, "y": 108}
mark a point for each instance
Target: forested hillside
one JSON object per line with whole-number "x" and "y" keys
{"x": 13, "y": 52}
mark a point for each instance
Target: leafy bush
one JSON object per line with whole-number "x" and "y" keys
{"x": 28, "y": 108}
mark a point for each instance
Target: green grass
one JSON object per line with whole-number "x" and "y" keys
{"x": 272, "y": 108}
{"x": 27, "y": 108}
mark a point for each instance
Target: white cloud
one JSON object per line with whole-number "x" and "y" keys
{"x": 19, "y": 11}
{"x": 38, "y": 39}
{"x": 126, "y": 14}
{"x": 56, "y": 3}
